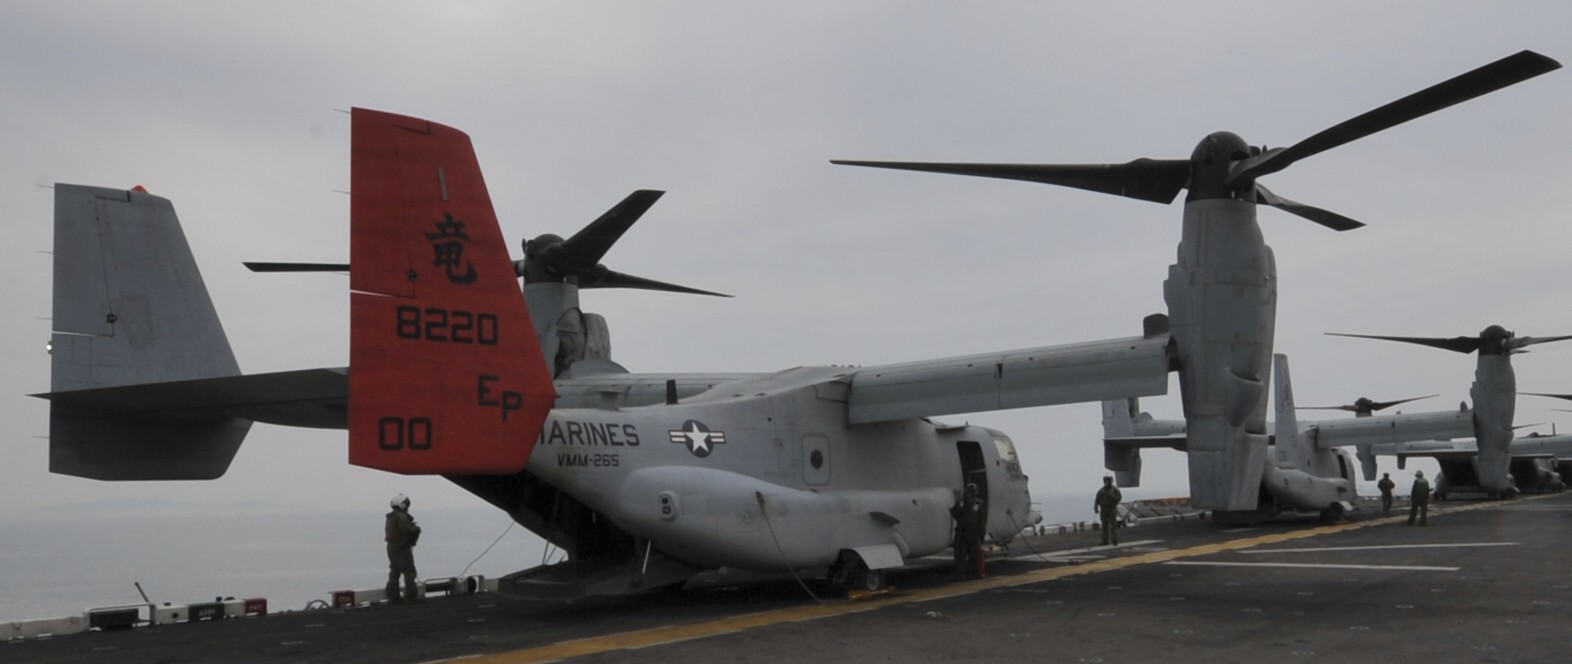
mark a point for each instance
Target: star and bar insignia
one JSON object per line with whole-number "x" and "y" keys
{"x": 699, "y": 439}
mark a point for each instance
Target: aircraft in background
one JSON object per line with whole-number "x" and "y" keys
{"x": 1494, "y": 395}
{"x": 1536, "y": 463}
{"x": 1306, "y": 468}
{"x": 1222, "y": 292}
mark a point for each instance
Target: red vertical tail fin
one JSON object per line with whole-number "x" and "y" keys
{"x": 446, "y": 375}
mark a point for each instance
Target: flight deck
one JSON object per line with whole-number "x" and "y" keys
{"x": 1484, "y": 582}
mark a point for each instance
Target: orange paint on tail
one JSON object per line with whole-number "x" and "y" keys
{"x": 446, "y": 375}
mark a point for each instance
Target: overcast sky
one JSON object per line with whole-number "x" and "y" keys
{"x": 234, "y": 113}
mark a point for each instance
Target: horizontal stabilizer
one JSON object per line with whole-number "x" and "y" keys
{"x": 313, "y": 398}
{"x": 260, "y": 266}
{"x": 86, "y": 444}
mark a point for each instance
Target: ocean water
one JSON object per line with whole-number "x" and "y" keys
{"x": 62, "y": 562}
{"x": 59, "y": 564}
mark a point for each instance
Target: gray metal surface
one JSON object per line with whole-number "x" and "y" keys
{"x": 130, "y": 307}
{"x": 129, "y": 303}
{"x": 1051, "y": 375}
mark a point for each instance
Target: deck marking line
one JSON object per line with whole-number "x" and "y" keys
{"x": 1381, "y": 546}
{"x": 1408, "y": 568}
{"x": 1084, "y": 549}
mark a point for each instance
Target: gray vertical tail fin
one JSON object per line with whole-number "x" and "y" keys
{"x": 130, "y": 308}
{"x": 1292, "y": 451}
{"x": 1119, "y": 455}
{"x": 1367, "y": 461}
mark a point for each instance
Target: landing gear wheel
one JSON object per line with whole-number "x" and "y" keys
{"x": 870, "y": 580}
{"x": 851, "y": 573}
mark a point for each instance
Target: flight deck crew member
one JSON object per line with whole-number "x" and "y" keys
{"x": 970, "y": 523}
{"x": 401, "y": 533}
{"x": 1106, "y": 505}
{"x": 1420, "y": 499}
{"x": 1386, "y": 485}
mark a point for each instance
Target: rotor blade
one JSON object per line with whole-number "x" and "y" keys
{"x": 1155, "y": 180}
{"x": 1529, "y": 341}
{"x": 1326, "y": 218}
{"x": 1458, "y": 344}
{"x": 586, "y": 247}
{"x": 609, "y": 279}
{"x": 1507, "y": 71}
{"x": 256, "y": 266}
{"x": 1383, "y": 405}
{"x": 1371, "y": 406}
{"x": 1568, "y": 397}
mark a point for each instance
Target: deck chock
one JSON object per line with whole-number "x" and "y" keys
{"x": 859, "y": 595}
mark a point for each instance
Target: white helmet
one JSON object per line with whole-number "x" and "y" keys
{"x": 399, "y": 501}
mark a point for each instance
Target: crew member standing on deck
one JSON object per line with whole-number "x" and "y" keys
{"x": 1419, "y": 504}
{"x": 401, "y": 533}
{"x": 970, "y": 523}
{"x": 1106, "y": 505}
{"x": 1386, "y": 485}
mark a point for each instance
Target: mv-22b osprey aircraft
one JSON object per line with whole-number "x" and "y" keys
{"x": 1305, "y": 468}
{"x": 1492, "y": 463}
{"x": 644, "y": 479}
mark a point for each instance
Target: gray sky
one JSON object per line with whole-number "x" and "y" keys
{"x": 232, "y": 111}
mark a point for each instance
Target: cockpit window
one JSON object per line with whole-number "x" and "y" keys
{"x": 1012, "y": 464}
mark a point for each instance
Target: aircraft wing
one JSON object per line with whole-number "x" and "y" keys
{"x": 630, "y": 389}
{"x": 1176, "y": 441}
{"x": 313, "y": 398}
{"x": 1527, "y": 447}
{"x": 1398, "y": 428}
{"x": 1046, "y": 376}
{"x": 1467, "y": 450}
{"x": 1440, "y": 450}
{"x": 1559, "y": 447}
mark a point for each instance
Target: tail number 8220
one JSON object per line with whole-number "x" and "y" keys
{"x": 448, "y": 326}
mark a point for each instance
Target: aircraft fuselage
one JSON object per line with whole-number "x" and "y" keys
{"x": 762, "y": 475}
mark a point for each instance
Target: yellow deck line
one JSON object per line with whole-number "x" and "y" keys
{"x": 674, "y": 633}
